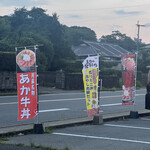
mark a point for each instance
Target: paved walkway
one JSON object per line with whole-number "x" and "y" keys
{"x": 27, "y": 139}
{"x": 59, "y": 141}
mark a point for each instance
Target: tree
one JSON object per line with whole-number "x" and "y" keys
{"x": 27, "y": 28}
{"x": 35, "y": 27}
{"x": 120, "y": 39}
{"x": 75, "y": 35}
{"x": 143, "y": 60}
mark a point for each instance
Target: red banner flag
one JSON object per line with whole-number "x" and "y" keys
{"x": 128, "y": 63}
{"x": 26, "y": 85}
{"x": 27, "y": 95}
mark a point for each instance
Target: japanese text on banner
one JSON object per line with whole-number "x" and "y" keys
{"x": 90, "y": 79}
{"x": 27, "y": 95}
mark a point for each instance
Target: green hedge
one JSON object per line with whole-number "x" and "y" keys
{"x": 7, "y": 61}
{"x": 111, "y": 72}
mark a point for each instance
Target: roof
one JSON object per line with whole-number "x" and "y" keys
{"x": 103, "y": 49}
{"x": 147, "y": 47}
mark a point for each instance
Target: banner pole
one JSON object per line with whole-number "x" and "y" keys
{"x": 16, "y": 78}
{"x": 35, "y": 48}
{"x": 99, "y": 80}
{"x": 38, "y": 128}
{"x": 135, "y": 77}
{"x": 136, "y": 54}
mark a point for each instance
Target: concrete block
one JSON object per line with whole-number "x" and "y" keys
{"x": 98, "y": 119}
{"x": 147, "y": 101}
{"x": 38, "y": 128}
{"x": 134, "y": 114}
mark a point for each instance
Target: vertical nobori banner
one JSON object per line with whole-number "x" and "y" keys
{"x": 26, "y": 84}
{"x": 90, "y": 78}
{"x": 128, "y": 63}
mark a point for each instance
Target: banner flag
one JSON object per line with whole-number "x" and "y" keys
{"x": 128, "y": 63}
{"x": 90, "y": 79}
{"x": 26, "y": 84}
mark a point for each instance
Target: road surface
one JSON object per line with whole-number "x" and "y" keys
{"x": 66, "y": 105}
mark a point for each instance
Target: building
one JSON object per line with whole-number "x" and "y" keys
{"x": 105, "y": 50}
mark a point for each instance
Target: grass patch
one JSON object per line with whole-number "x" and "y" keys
{"x": 20, "y": 144}
{"x": 3, "y": 139}
{"x": 49, "y": 130}
{"x": 62, "y": 117}
{"x": 110, "y": 89}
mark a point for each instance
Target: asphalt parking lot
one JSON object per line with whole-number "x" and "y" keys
{"x": 127, "y": 134}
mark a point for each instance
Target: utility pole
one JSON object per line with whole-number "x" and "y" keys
{"x": 138, "y": 34}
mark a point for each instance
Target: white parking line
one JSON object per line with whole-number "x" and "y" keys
{"x": 139, "y": 94}
{"x": 61, "y": 109}
{"x": 115, "y": 104}
{"x": 99, "y": 110}
{"x": 145, "y": 119}
{"x": 131, "y": 127}
{"x": 102, "y": 138}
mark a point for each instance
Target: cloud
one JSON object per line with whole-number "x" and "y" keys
{"x": 122, "y": 12}
{"x": 21, "y": 3}
{"x": 115, "y": 27}
{"x": 74, "y": 16}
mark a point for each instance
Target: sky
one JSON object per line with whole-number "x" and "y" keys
{"x": 102, "y": 16}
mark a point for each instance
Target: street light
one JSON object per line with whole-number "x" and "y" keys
{"x": 139, "y": 25}
{"x": 138, "y": 34}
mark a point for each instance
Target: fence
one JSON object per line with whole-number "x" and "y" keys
{"x": 60, "y": 79}
{"x": 8, "y": 81}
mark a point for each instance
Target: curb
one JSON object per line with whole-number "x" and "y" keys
{"x": 71, "y": 122}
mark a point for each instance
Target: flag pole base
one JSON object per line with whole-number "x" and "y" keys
{"x": 98, "y": 119}
{"x": 134, "y": 114}
{"x": 38, "y": 128}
